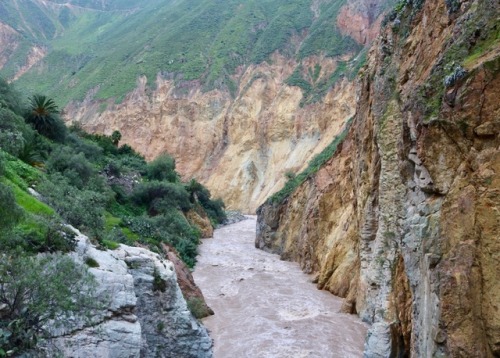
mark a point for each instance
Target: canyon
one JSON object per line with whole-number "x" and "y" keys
{"x": 403, "y": 220}
{"x": 242, "y": 148}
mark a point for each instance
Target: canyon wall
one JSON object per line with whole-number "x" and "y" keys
{"x": 241, "y": 147}
{"x": 403, "y": 221}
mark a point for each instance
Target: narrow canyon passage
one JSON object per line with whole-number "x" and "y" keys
{"x": 265, "y": 307}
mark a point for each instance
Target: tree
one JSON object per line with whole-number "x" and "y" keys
{"x": 194, "y": 189}
{"x": 162, "y": 168}
{"x": 37, "y": 292}
{"x": 115, "y": 137}
{"x": 43, "y": 115}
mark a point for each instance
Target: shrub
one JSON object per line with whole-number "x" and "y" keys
{"x": 21, "y": 174}
{"x": 39, "y": 290}
{"x": 12, "y": 132}
{"x": 159, "y": 197}
{"x": 90, "y": 262}
{"x": 197, "y": 307}
{"x": 73, "y": 166}
{"x": 159, "y": 284}
{"x": 10, "y": 212}
{"x": 92, "y": 151}
{"x": 115, "y": 137}
{"x": 83, "y": 209}
{"x": 9, "y": 98}
{"x": 213, "y": 208}
{"x": 109, "y": 244}
{"x": 162, "y": 168}
{"x": 171, "y": 227}
{"x": 42, "y": 235}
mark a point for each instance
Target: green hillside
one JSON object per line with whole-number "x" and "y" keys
{"x": 107, "y": 191}
{"x": 106, "y": 45}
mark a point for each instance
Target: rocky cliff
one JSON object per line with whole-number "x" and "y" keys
{"x": 240, "y": 148}
{"x": 143, "y": 313}
{"x": 403, "y": 221}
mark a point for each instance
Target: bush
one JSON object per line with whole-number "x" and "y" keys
{"x": 197, "y": 307}
{"x": 92, "y": 151}
{"x": 10, "y": 212}
{"x": 213, "y": 208}
{"x": 13, "y": 131}
{"x": 39, "y": 290}
{"x": 159, "y": 197}
{"x": 171, "y": 227}
{"x": 83, "y": 209}
{"x": 9, "y": 98}
{"x": 162, "y": 168}
{"x": 41, "y": 235}
{"x": 73, "y": 166}
{"x": 90, "y": 262}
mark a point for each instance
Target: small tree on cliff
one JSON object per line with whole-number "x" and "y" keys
{"x": 37, "y": 292}
{"x": 115, "y": 137}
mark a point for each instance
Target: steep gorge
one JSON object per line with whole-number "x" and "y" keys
{"x": 403, "y": 220}
{"x": 241, "y": 148}
{"x": 240, "y": 141}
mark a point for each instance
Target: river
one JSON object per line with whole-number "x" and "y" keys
{"x": 265, "y": 307}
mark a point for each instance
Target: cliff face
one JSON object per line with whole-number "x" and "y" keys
{"x": 403, "y": 220}
{"x": 143, "y": 313}
{"x": 240, "y": 148}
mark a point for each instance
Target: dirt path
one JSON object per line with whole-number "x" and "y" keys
{"x": 265, "y": 307}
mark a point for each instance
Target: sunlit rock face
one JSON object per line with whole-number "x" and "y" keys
{"x": 240, "y": 148}
{"x": 143, "y": 312}
{"x": 403, "y": 220}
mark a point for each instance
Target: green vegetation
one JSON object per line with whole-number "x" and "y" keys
{"x": 159, "y": 284}
{"x": 103, "y": 48}
{"x": 108, "y": 192}
{"x": 90, "y": 262}
{"x": 313, "y": 90}
{"x": 294, "y": 181}
{"x": 37, "y": 290}
{"x": 475, "y": 37}
{"x": 197, "y": 307}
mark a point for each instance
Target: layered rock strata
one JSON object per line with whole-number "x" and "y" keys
{"x": 143, "y": 313}
{"x": 403, "y": 221}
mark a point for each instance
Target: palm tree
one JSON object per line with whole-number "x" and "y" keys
{"x": 43, "y": 116}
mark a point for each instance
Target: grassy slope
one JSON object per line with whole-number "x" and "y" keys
{"x": 205, "y": 39}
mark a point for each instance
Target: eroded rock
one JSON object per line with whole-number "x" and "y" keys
{"x": 144, "y": 313}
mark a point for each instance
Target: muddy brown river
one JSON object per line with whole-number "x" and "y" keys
{"x": 265, "y": 307}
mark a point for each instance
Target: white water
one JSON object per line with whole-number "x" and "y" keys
{"x": 265, "y": 307}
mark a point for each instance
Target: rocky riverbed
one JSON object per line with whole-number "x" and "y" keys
{"x": 265, "y": 307}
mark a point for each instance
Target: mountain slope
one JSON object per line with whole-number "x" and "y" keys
{"x": 109, "y": 46}
{"x": 239, "y": 92}
{"x": 403, "y": 220}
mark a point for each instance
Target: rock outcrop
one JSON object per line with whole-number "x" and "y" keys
{"x": 143, "y": 313}
{"x": 403, "y": 221}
